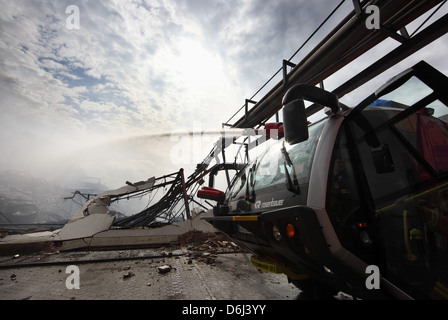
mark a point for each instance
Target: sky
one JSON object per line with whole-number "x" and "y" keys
{"x": 109, "y": 97}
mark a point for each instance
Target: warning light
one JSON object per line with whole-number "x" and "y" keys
{"x": 290, "y": 230}
{"x": 362, "y": 224}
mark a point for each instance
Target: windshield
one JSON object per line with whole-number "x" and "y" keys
{"x": 267, "y": 172}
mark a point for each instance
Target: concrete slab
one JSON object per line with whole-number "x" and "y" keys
{"x": 80, "y": 234}
{"x": 83, "y": 228}
{"x": 142, "y": 237}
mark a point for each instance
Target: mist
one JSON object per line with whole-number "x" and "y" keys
{"x": 67, "y": 160}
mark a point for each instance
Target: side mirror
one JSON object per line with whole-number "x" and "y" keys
{"x": 295, "y": 124}
{"x": 294, "y": 114}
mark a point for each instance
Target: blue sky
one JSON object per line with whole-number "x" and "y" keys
{"x": 78, "y": 101}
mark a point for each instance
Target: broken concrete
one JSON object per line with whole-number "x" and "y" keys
{"x": 91, "y": 227}
{"x": 80, "y": 235}
{"x": 93, "y": 217}
{"x": 84, "y": 228}
{"x": 131, "y": 238}
{"x": 128, "y": 274}
{"x": 164, "y": 269}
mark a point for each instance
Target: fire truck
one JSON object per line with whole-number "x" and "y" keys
{"x": 356, "y": 202}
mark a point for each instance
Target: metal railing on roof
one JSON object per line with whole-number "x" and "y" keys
{"x": 349, "y": 40}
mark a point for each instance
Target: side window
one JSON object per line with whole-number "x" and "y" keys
{"x": 429, "y": 136}
{"x": 343, "y": 204}
{"x": 238, "y": 184}
{"x": 411, "y": 198}
{"x": 401, "y": 140}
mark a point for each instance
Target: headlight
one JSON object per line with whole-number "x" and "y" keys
{"x": 276, "y": 233}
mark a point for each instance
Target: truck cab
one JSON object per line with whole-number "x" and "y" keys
{"x": 356, "y": 202}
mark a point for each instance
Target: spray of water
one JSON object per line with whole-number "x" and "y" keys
{"x": 113, "y": 160}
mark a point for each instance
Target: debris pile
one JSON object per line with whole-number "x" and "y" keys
{"x": 195, "y": 237}
{"x": 164, "y": 269}
{"x": 205, "y": 257}
{"x": 205, "y": 246}
{"x": 208, "y": 241}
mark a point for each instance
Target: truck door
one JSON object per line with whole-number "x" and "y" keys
{"x": 401, "y": 141}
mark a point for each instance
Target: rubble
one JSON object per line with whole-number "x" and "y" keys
{"x": 208, "y": 241}
{"x": 205, "y": 246}
{"x": 164, "y": 269}
{"x": 128, "y": 274}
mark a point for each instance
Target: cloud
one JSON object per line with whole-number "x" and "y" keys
{"x": 135, "y": 68}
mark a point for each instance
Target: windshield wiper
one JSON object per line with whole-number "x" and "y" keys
{"x": 250, "y": 192}
{"x": 291, "y": 184}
